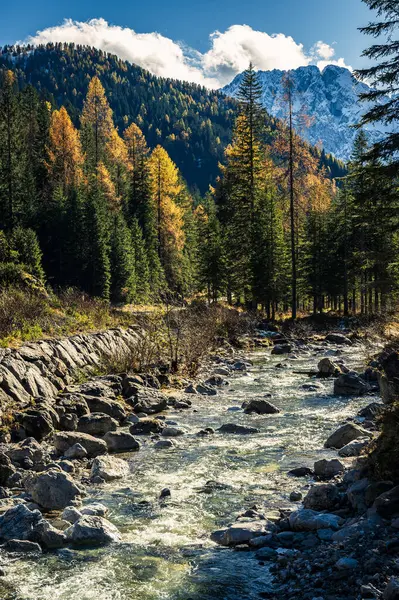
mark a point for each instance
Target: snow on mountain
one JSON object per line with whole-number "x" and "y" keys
{"x": 330, "y": 98}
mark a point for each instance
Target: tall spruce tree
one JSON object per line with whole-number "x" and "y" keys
{"x": 384, "y": 76}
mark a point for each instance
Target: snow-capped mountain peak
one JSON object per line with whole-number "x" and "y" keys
{"x": 329, "y": 97}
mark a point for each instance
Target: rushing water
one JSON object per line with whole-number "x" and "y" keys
{"x": 166, "y": 553}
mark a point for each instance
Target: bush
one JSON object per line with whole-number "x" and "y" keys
{"x": 20, "y": 311}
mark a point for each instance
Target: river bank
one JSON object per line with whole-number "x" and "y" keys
{"x": 162, "y": 545}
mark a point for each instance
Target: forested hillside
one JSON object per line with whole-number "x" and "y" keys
{"x": 192, "y": 123}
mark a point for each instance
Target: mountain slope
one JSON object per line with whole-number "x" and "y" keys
{"x": 192, "y": 123}
{"x": 330, "y": 98}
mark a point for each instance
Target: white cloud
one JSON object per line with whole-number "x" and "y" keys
{"x": 229, "y": 54}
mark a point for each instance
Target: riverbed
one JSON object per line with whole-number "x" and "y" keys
{"x": 166, "y": 552}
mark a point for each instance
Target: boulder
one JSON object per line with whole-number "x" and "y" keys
{"x": 164, "y": 445}
{"x": 310, "y": 520}
{"x": 237, "y": 429}
{"x": 97, "y": 424}
{"x": 387, "y": 505}
{"x": 36, "y": 423}
{"x": 201, "y": 388}
{"x": 354, "y": 448}
{"x": 261, "y": 407}
{"x": 280, "y": 349}
{"x": 76, "y": 452}
{"x": 172, "y": 432}
{"x": 239, "y": 533}
{"x": 146, "y": 426}
{"x": 121, "y": 441}
{"x": 53, "y": 489}
{"x": 48, "y": 536}
{"x": 350, "y": 384}
{"x": 22, "y": 547}
{"x": 347, "y": 564}
{"x": 92, "y": 531}
{"x": 109, "y": 468}
{"x": 357, "y": 494}
{"x": 19, "y": 523}
{"x": 106, "y": 406}
{"x": 327, "y": 469}
{"x": 29, "y": 449}
{"x": 339, "y": 339}
{"x": 65, "y": 440}
{"x": 301, "y": 472}
{"x": 71, "y": 514}
{"x": 6, "y": 468}
{"x": 372, "y": 411}
{"x": 95, "y": 509}
{"x": 322, "y": 497}
{"x": 327, "y": 368}
{"x": 391, "y": 592}
{"x": 346, "y": 434}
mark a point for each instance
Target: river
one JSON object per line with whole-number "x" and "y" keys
{"x": 166, "y": 553}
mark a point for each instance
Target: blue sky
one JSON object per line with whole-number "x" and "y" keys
{"x": 186, "y": 27}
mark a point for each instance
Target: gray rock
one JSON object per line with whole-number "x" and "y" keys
{"x": 338, "y": 338}
{"x": 346, "y": 434}
{"x": 391, "y": 592}
{"x": 295, "y": 496}
{"x": 106, "y": 406}
{"x": 237, "y": 429}
{"x": 347, "y": 564}
{"x": 387, "y": 505}
{"x": 22, "y": 547}
{"x": 95, "y": 509}
{"x": 355, "y": 448}
{"x": 261, "y": 407}
{"x": 76, "y": 452}
{"x": 109, "y": 468}
{"x": 19, "y": 523}
{"x": 172, "y": 432}
{"x": 53, "y": 489}
{"x": 65, "y": 440}
{"x": 71, "y": 514}
{"x": 92, "y": 531}
{"x": 6, "y": 468}
{"x": 357, "y": 494}
{"x": 280, "y": 349}
{"x": 327, "y": 368}
{"x": 310, "y": 520}
{"x": 327, "y": 469}
{"x": 239, "y": 533}
{"x": 350, "y": 384}
{"x": 164, "y": 445}
{"x": 321, "y": 497}
{"x": 146, "y": 426}
{"x": 48, "y": 536}
{"x": 121, "y": 441}
{"x": 97, "y": 424}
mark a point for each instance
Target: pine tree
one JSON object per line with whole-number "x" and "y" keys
{"x": 211, "y": 253}
{"x": 123, "y": 277}
{"x": 146, "y": 288}
{"x": 25, "y": 244}
{"x": 384, "y": 76}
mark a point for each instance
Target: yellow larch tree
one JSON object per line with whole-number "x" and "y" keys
{"x": 165, "y": 189}
{"x": 65, "y": 158}
{"x": 97, "y": 122}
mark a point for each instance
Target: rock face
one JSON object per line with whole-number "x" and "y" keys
{"x": 346, "y": 434}
{"x": 350, "y": 384}
{"x": 109, "y": 468}
{"x": 92, "y": 531}
{"x": 331, "y": 97}
{"x": 261, "y": 407}
{"x": 53, "y": 489}
{"x": 65, "y": 440}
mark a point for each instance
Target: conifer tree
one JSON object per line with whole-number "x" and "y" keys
{"x": 25, "y": 244}
{"x": 123, "y": 280}
{"x": 65, "y": 157}
{"x": 384, "y": 76}
{"x": 97, "y": 124}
